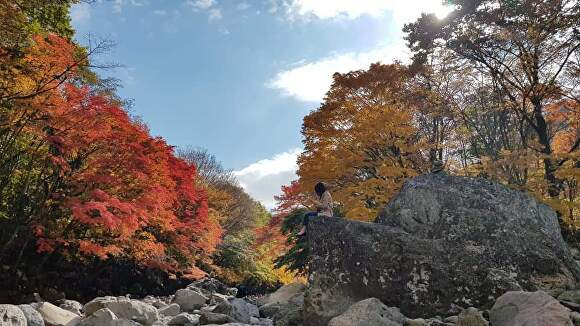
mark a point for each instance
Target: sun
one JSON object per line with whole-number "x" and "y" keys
{"x": 442, "y": 11}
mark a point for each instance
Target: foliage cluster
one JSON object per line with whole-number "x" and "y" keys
{"x": 79, "y": 177}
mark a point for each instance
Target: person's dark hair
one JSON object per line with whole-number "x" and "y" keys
{"x": 320, "y": 188}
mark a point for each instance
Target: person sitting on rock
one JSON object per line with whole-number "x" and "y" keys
{"x": 323, "y": 206}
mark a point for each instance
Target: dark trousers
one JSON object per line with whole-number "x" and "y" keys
{"x": 307, "y": 217}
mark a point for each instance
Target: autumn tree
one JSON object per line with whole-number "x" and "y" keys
{"x": 530, "y": 49}
{"x": 363, "y": 141}
{"x": 238, "y": 260}
{"x": 80, "y": 179}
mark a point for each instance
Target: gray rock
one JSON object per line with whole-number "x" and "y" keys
{"x": 124, "y": 308}
{"x": 254, "y": 321}
{"x": 154, "y": 301}
{"x": 443, "y": 241}
{"x": 208, "y": 286}
{"x": 416, "y": 322}
{"x": 471, "y": 317}
{"x": 270, "y": 310}
{"x": 55, "y": 316}
{"x": 33, "y": 317}
{"x": 452, "y": 319}
{"x": 72, "y": 306}
{"x": 185, "y": 319}
{"x": 124, "y": 322}
{"x": 291, "y": 315}
{"x": 101, "y": 317}
{"x": 265, "y": 322}
{"x": 575, "y": 316}
{"x": 369, "y": 312}
{"x": 11, "y": 315}
{"x": 189, "y": 299}
{"x": 232, "y": 292}
{"x": 215, "y": 318}
{"x": 171, "y": 310}
{"x": 571, "y": 305}
{"x": 528, "y": 309}
{"x": 283, "y": 294}
{"x": 570, "y": 296}
{"x": 239, "y": 309}
{"x": 217, "y": 298}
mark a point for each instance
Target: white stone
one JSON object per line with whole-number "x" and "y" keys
{"x": 102, "y": 317}
{"x": 189, "y": 300}
{"x": 55, "y": 316}
{"x": 125, "y": 308}
{"x": 11, "y": 315}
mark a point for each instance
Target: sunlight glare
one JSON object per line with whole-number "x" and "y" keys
{"x": 442, "y": 11}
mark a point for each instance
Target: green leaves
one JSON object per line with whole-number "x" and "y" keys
{"x": 296, "y": 258}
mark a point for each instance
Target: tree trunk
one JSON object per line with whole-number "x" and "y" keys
{"x": 550, "y": 166}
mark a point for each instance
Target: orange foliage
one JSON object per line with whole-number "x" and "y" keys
{"x": 117, "y": 190}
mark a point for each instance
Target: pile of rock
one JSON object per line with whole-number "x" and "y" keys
{"x": 514, "y": 308}
{"x": 205, "y": 302}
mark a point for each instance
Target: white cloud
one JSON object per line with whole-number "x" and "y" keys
{"x": 403, "y": 11}
{"x": 214, "y": 14}
{"x": 160, "y": 12}
{"x": 309, "y": 82}
{"x": 80, "y": 13}
{"x": 263, "y": 179}
{"x": 118, "y": 5}
{"x": 200, "y": 4}
{"x": 209, "y": 6}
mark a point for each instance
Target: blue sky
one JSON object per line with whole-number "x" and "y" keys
{"x": 237, "y": 77}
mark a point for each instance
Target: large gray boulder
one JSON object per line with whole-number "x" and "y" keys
{"x": 529, "y": 309}
{"x": 443, "y": 243}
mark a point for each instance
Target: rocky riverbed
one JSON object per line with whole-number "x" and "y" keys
{"x": 208, "y": 302}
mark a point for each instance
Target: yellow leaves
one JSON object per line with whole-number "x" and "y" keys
{"x": 362, "y": 141}
{"x": 524, "y": 169}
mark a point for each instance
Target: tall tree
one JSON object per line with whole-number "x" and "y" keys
{"x": 363, "y": 141}
{"x": 529, "y": 48}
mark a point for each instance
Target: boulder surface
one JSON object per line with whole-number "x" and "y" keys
{"x": 518, "y": 308}
{"x": 11, "y": 315}
{"x": 443, "y": 243}
{"x": 369, "y": 312}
